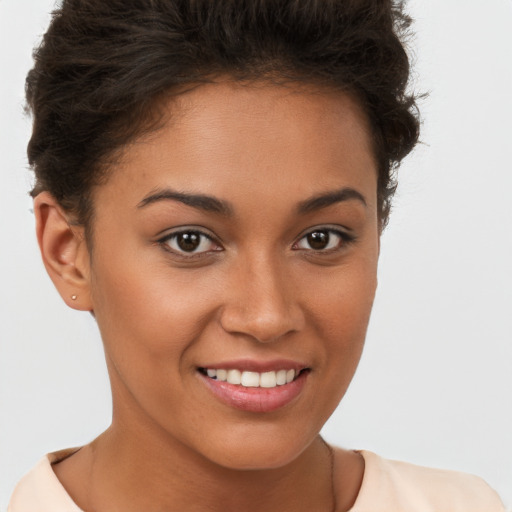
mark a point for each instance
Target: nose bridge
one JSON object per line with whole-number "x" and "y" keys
{"x": 261, "y": 304}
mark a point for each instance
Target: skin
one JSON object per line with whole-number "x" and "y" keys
{"x": 257, "y": 291}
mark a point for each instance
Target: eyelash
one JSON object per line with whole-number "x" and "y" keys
{"x": 344, "y": 240}
{"x": 164, "y": 242}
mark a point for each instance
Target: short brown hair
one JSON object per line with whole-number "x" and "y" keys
{"x": 102, "y": 66}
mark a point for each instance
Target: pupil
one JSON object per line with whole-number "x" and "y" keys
{"x": 318, "y": 240}
{"x": 189, "y": 241}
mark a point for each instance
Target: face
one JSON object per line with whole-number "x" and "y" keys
{"x": 234, "y": 269}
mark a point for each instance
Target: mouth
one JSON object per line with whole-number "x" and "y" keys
{"x": 249, "y": 379}
{"x": 255, "y": 391}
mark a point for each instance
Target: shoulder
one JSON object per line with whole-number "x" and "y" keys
{"x": 390, "y": 485}
{"x": 40, "y": 490}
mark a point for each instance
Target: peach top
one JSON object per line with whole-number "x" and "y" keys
{"x": 388, "y": 486}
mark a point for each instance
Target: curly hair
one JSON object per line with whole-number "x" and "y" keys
{"x": 103, "y": 66}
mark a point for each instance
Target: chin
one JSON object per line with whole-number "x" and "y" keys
{"x": 255, "y": 458}
{"x": 255, "y": 448}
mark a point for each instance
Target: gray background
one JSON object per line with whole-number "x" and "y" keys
{"x": 434, "y": 386}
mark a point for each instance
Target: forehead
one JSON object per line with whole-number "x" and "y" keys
{"x": 237, "y": 140}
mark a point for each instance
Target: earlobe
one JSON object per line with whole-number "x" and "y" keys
{"x": 64, "y": 252}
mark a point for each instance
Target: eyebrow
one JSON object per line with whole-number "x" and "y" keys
{"x": 200, "y": 201}
{"x": 212, "y": 204}
{"x": 329, "y": 198}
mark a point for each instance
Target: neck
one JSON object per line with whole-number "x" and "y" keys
{"x": 124, "y": 474}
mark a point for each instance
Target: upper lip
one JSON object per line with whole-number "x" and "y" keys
{"x": 252, "y": 365}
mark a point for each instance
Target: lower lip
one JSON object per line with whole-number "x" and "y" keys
{"x": 256, "y": 399}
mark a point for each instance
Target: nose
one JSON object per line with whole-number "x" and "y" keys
{"x": 262, "y": 302}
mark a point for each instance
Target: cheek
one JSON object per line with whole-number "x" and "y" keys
{"x": 149, "y": 315}
{"x": 342, "y": 298}
{"x": 134, "y": 294}
{"x": 340, "y": 312}
{"x": 150, "y": 319}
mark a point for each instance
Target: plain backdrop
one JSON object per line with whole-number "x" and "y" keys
{"x": 434, "y": 386}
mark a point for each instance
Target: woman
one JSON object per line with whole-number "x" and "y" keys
{"x": 211, "y": 183}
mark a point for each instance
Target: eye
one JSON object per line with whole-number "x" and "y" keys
{"x": 323, "y": 240}
{"x": 189, "y": 241}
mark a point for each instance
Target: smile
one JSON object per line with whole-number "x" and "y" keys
{"x": 255, "y": 391}
{"x": 249, "y": 379}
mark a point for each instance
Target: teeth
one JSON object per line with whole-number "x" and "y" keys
{"x": 250, "y": 379}
{"x": 268, "y": 380}
{"x": 234, "y": 376}
{"x": 253, "y": 379}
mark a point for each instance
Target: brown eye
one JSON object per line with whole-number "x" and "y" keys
{"x": 318, "y": 240}
{"x": 323, "y": 240}
{"x": 188, "y": 242}
{"x": 191, "y": 242}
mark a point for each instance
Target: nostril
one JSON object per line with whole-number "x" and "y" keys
{"x": 264, "y": 328}
{"x": 260, "y": 304}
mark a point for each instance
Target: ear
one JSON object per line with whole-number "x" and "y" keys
{"x": 64, "y": 252}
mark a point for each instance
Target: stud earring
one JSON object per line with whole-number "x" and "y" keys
{"x": 74, "y": 297}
